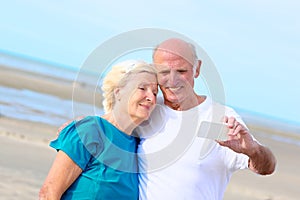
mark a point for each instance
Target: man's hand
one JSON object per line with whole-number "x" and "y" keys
{"x": 66, "y": 124}
{"x": 239, "y": 138}
{"x": 261, "y": 159}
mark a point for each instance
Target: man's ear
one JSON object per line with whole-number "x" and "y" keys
{"x": 197, "y": 71}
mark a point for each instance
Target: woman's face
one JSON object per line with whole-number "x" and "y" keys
{"x": 138, "y": 96}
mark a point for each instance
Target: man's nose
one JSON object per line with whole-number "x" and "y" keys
{"x": 172, "y": 78}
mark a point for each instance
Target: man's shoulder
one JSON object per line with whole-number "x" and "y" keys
{"x": 221, "y": 106}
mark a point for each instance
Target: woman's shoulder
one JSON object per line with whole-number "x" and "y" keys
{"x": 88, "y": 120}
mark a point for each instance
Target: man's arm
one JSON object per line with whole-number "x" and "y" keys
{"x": 261, "y": 159}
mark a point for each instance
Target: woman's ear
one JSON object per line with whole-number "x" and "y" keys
{"x": 117, "y": 94}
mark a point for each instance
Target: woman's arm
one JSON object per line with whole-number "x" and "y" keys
{"x": 61, "y": 175}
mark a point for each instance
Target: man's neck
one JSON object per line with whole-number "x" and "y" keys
{"x": 186, "y": 105}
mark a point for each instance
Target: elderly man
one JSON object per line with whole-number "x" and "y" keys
{"x": 174, "y": 162}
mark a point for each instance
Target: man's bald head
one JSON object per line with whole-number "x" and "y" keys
{"x": 177, "y": 47}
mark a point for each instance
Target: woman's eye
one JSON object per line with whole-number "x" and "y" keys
{"x": 141, "y": 88}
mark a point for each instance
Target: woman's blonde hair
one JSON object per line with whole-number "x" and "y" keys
{"x": 118, "y": 76}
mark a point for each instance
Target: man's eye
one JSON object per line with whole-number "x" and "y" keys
{"x": 141, "y": 88}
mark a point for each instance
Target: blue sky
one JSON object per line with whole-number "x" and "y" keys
{"x": 255, "y": 45}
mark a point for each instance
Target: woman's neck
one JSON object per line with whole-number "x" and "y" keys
{"x": 121, "y": 122}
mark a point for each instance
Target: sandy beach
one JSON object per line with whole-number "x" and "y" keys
{"x": 282, "y": 185}
{"x": 26, "y": 159}
{"x": 26, "y": 156}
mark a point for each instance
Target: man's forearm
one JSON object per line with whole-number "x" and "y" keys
{"x": 262, "y": 160}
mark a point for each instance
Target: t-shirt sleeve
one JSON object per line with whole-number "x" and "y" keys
{"x": 80, "y": 141}
{"x": 232, "y": 113}
{"x": 238, "y": 160}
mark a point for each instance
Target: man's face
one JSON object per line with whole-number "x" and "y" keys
{"x": 175, "y": 77}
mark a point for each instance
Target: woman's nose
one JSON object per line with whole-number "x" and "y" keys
{"x": 151, "y": 97}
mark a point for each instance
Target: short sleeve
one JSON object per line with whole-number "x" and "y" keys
{"x": 238, "y": 160}
{"x": 80, "y": 141}
{"x": 232, "y": 113}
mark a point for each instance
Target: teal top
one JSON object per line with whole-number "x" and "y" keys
{"x": 107, "y": 157}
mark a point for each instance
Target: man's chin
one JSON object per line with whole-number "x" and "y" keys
{"x": 172, "y": 99}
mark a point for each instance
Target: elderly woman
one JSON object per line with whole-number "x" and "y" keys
{"x": 96, "y": 156}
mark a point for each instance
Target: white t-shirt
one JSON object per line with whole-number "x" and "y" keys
{"x": 175, "y": 163}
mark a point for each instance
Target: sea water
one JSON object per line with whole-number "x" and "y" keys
{"x": 24, "y": 104}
